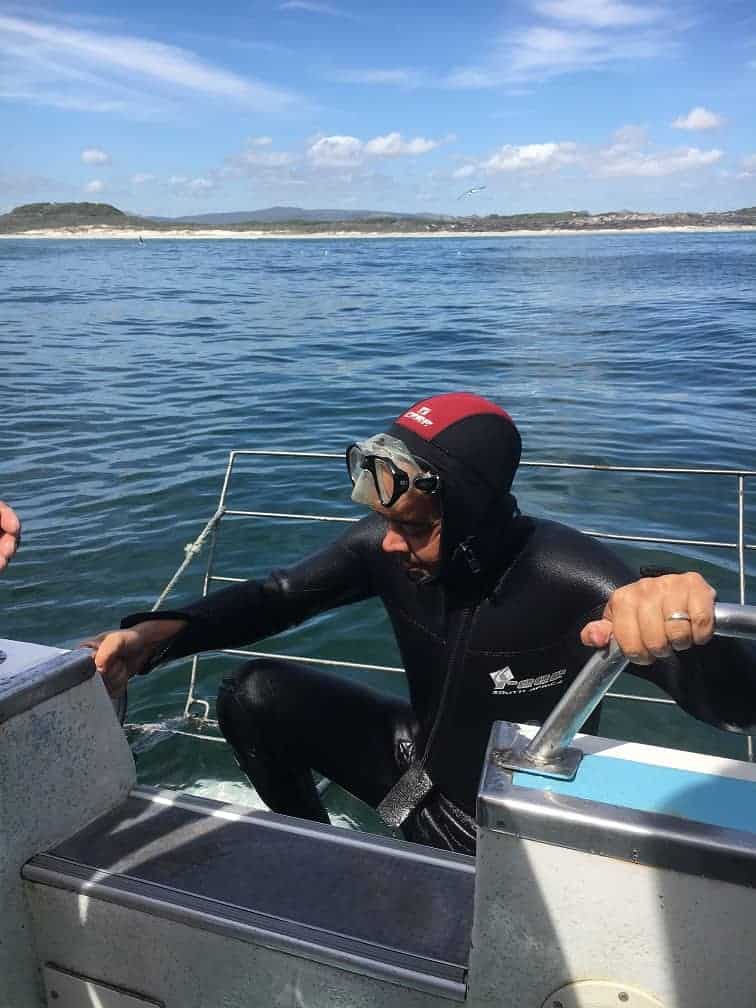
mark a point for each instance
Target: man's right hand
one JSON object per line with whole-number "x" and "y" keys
{"x": 121, "y": 654}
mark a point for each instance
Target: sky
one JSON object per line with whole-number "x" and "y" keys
{"x": 539, "y": 105}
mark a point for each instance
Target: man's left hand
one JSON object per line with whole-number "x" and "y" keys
{"x": 653, "y": 617}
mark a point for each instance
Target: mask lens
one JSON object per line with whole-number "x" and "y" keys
{"x": 384, "y": 481}
{"x": 382, "y": 469}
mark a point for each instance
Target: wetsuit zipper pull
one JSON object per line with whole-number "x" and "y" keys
{"x": 470, "y": 558}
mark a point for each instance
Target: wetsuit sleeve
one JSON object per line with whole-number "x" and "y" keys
{"x": 243, "y": 613}
{"x": 715, "y": 682}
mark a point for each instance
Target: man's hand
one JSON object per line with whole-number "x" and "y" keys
{"x": 121, "y": 654}
{"x": 10, "y": 534}
{"x": 653, "y": 617}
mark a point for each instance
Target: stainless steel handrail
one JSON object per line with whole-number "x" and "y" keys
{"x": 549, "y": 752}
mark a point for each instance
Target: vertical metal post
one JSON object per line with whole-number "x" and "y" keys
{"x": 221, "y": 506}
{"x": 742, "y": 578}
{"x": 191, "y": 700}
{"x": 741, "y": 537}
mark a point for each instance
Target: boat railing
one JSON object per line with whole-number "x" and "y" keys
{"x": 197, "y": 710}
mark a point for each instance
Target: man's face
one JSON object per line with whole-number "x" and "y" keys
{"x": 414, "y": 531}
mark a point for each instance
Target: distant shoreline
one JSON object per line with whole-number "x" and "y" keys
{"x": 94, "y": 233}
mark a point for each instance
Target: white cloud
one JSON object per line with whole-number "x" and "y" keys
{"x": 628, "y": 163}
{"x": 40, "y": 95}
{"x": 93, "y": 155}
{"x": 95, "y": 186}
{"x": 348, "y": 151}
{"x": 630, "y": 155}
{"x": 572, "y": 36}
{"x": 336, "y": 150}
{"x": 541, "y": 52}
{"x": 565, "y": 36}
{"x": 313, "y": 7}
{"x": 699, "y": 118}
{"x": 192, "y": 186}
{"x": 272, "y": 159}
{"x": 392, "y": 145}
{"x": 536, "y": 157}
{"x": 257, "y": 161}
{"x": 748, "y": 167}
{"x": 141, "y": 177}
{"x": 546, "y": 52}
{"x": 55, "y": 64}
{"x": 630, "y": 137}
{"x": 600, "y": 13}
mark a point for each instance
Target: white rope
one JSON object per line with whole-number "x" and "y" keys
{"x": 191, "y": 550}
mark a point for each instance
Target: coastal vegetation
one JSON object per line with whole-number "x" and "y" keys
{"x": 68, "y": 217}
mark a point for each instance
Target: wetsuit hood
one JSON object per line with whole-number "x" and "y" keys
{"x": 475, "y": 447}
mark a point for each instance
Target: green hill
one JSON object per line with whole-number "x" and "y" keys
{"x": 35, "y": 216}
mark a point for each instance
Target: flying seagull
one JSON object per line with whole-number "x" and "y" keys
{"x": 469, "y": 192}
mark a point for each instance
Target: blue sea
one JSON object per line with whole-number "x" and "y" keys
{"x": 131, "y": 371}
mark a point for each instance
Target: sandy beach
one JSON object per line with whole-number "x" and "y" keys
{"x": 252, "y": 234}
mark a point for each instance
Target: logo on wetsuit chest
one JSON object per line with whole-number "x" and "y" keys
{"x": 504, "y": 681}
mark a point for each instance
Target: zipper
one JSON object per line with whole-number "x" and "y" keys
{"x": 463, "y": 630}
{"x": 415, "y": 784}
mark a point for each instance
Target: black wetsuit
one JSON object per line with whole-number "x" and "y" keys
{"x": 503, "y": 645}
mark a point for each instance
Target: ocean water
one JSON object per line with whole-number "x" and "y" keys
{"x": 130, "y": 371}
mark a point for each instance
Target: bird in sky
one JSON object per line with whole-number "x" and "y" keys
{"x": 469, "y": 192}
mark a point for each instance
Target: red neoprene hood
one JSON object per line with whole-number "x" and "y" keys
{"x": 466, "y": 429}
{"x": 430, "y": 417}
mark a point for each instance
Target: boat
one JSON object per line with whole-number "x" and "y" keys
{"x": 607, "y": 873}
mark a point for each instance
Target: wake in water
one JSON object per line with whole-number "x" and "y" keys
{"x": 143, "y": 737}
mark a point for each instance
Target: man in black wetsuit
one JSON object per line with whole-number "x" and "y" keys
{"x": 494, "y": 613}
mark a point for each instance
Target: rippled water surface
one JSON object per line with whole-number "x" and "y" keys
{"x": 130, "y": 371}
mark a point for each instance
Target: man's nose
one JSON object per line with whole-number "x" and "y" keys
{"x": 394, "y": 543}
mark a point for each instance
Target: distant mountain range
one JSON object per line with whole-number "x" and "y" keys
{"x": 295, "y": 220}
{"x": 288, "y": 214}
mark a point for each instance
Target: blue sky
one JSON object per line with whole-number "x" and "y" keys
{"x": 185, "y": 107}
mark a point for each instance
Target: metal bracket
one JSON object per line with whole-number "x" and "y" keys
{"x": 193, "y": 715}
{"x": 563, "y": 766}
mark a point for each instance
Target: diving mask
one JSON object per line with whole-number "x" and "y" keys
{"x": 384, "y": 468}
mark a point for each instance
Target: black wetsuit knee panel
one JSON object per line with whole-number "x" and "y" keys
{"x": 248, "y": 694}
